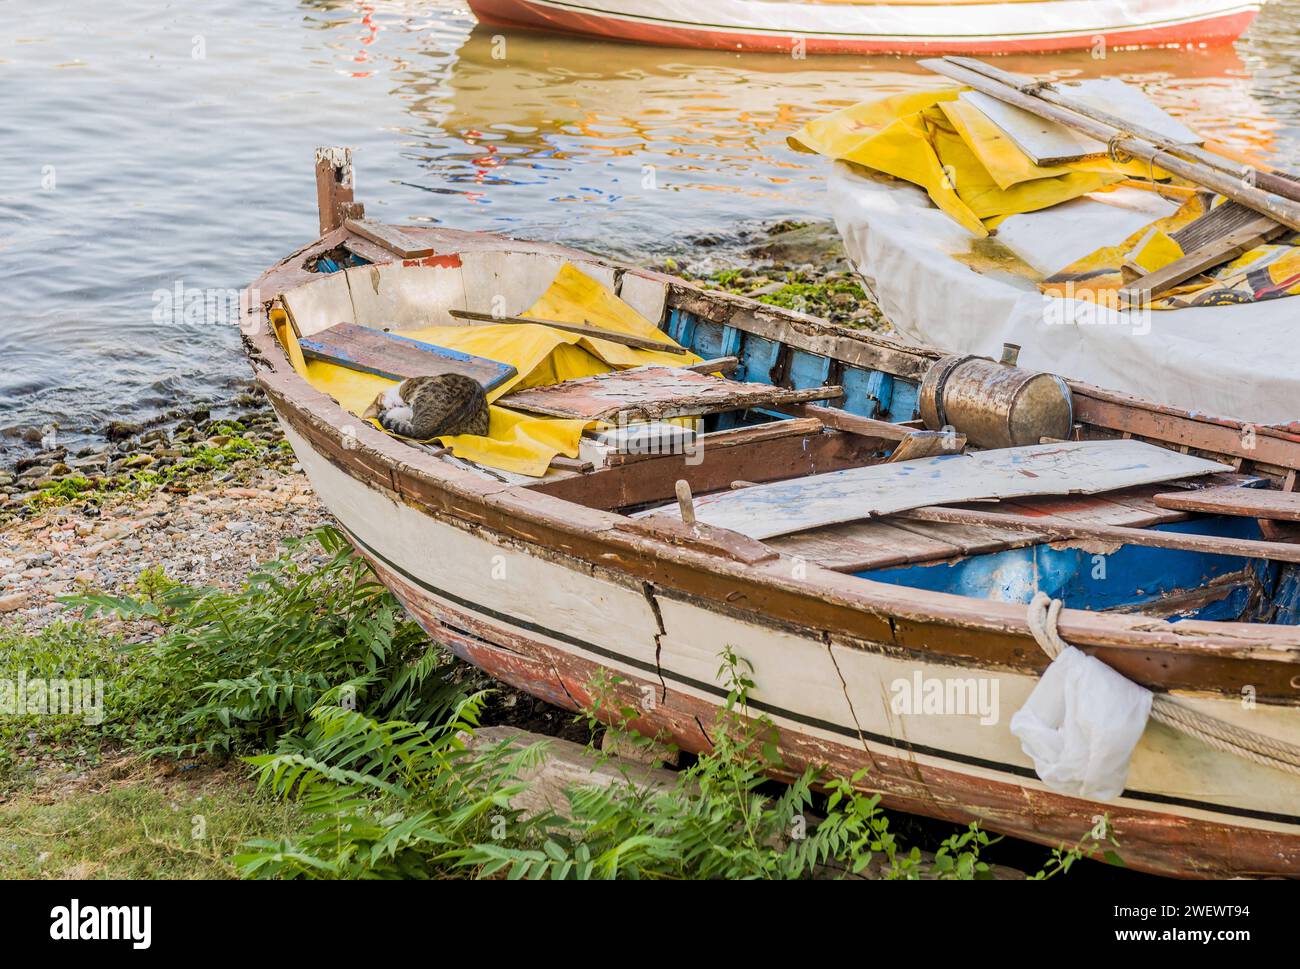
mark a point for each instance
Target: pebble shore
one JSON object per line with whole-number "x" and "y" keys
{"x": 200, "y": 526}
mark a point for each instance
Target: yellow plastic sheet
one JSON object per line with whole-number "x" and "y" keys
{"x": 519, "y": 442}
{"x": 1155, "y": 251}
{"x": 970, "y": 169}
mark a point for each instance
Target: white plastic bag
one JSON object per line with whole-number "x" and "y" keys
{"x": 1080, "y": 726}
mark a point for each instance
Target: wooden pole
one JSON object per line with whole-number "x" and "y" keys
{"x": 1059, "y": 529}
{"x": 1249, "y": 173}
{"x": 1283, "y": 210}
{"x": 334, "y": 200}
{"x": 685, "y": 501}
{"x": 613, "y": 336}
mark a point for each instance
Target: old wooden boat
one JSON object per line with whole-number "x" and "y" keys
{"x": 841, "y": 607}
{"x": 890, "y": 26}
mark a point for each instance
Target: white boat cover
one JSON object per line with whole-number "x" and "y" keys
{"x": 1232, "y": 361}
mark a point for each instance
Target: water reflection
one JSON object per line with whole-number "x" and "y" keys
{"x": 173, "y": 166}
{"x": 527, "y": 127}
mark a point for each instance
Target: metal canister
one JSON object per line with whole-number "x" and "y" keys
{"x": 995, "y": 404}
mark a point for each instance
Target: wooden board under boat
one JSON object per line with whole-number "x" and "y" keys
{"x": 655, "y": 601}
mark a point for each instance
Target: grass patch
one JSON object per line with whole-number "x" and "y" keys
{"x": 837, "y": 297}
{"x": 150, "y": 822}
{"x": 34, "y": 742}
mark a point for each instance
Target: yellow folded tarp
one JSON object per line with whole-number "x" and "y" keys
{"x": 969, "y": 168}
{"x": 520, "y": 442}
{"x": 1268, "y": 271}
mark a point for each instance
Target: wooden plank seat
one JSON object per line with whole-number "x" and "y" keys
{"x": 1265, "y": 503}
{"x": 398, "y": 357}
{"x": 655, "y": 393}
{"x": 880, "y": 544}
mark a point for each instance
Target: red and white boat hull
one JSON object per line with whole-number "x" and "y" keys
{"x": 879, "y": 28}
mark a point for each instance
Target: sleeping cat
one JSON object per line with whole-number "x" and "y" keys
{"x": 426, "y": 407}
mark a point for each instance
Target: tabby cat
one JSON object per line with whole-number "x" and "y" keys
{"x": 427, "y": 407}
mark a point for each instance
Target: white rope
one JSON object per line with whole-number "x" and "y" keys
{"x": 1044, "y": 613}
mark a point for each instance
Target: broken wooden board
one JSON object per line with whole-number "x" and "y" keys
{"x": 565, "y": 766}
{"x": 1100, "y": 536}
{"x": 1220, "y": 221}
{"x": 877, "y": 544}
{"x": 390, "y": 238}
{"x": 1266, "y": 503}
{"x": 654, "y": 393}
{"x": 842, "y": 420}
{"x": 927, "y": 444}
{"x": 1131, "y": 507}
{"x": 862, "y": 546}
{"x": 1238, "y": 242}
{"x": 1071, "y": 467}
{"x": 398, "y": 357}
{"x": 1049, "y": 143}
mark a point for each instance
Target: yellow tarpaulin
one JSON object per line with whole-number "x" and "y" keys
{"x": 1268, "y": 271}
{"x": 520, "y": 442}
{"x": 969, "y": 168}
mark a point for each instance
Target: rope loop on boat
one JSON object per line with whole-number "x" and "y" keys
{"x": 1044, "y": 612}
{"x": 1113, "y": 151}
{"x": 1043, "y": 616}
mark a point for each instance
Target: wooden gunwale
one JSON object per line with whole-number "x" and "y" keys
{"x": 1197, "y": 656}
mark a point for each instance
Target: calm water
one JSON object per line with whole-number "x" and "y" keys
{"x": 144, "y": 145}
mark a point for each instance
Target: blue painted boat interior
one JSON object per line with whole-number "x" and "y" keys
{"x": 868, "y": 393}
{"x": 1126, "y": 579}
{"x": 335, "y": 260}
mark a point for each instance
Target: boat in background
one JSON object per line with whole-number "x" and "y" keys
{"x": 1198, "y": 330}
{"x": 915, "y": 27}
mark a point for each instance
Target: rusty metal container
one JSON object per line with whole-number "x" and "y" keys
{"x": 996, "y": 404}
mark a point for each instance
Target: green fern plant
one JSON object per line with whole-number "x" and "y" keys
{"x": 244, "y": 670}
{"x": 720, "y": 820}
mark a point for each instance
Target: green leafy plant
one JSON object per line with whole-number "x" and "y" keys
{"x": 399, "y": 799}
{"x": 1099, "y": 843}
{"x": 719, "y": 821}
{"x": 244, "y": 670}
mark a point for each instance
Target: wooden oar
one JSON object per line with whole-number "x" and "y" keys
{"x": 1060, "y": 529}
{"x": 612, "y": 336}
{"x": 1262, "y": 176}
{"x": 1281, "y": 209}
